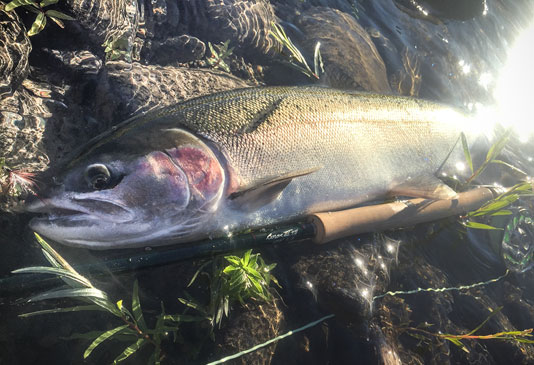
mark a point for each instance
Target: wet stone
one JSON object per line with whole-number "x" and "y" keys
{"x": 15, "y": 48}
{"x": 350, "y": 57}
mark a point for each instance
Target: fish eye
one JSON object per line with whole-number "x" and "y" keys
{"x": 97, "y": 176}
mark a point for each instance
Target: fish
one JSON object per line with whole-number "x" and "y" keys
{"x": 244, "y": 159}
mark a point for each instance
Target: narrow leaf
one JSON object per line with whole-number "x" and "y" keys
{"x": 59, "y": 15}
{"x": 104, "y": 336}
{"x": 136, "y": 308}
{"x": 63, "y": 310}
{"x": 466, "y": 152}
{"x": 45, "y": 3}
{"x": 57, "y": 21}
{"x": 182, "y": 318}
{"x": 477, "y": 225}
{"x": 57, "y": 257}
{"x": 130, "y": 350}
{"x": 54, "y": 271}
{"x": 38, "y": 25}
{"x": 16, "y": 3}
{"x": 70, "y": 293}
{"x": 458, "y": 343}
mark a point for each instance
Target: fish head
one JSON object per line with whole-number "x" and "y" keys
{"x": 110, "y": 199}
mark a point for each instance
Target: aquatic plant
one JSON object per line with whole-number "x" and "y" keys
{"x": 219, "y": 53}
{"x": 497, "y": 206}
{"x": 133, "y": 329}
{"x": 294, "y": 56}
{"x": 233, "y": 279}
{"x": 42, "y": 14}
{"x": 524, "y": 336}
{"x": 117, "y": 48}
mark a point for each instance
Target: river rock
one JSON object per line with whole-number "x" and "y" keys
{"x": 245, "y": 23}
{"x": 126, "y": 89}
{"x": 15, "y": 48}
{"x": 351, "y": 60}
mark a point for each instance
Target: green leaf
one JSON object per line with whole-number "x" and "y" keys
{"x": 16, "y": 3}
{"x": 38, "y": 25}
{"x": 458, "y": 343}
{"x": 466, "y": 152}
{"x": 57, "y": 21}
{"x": 493, "y": 313}
{"x": 233, "y": 260}
{"x": 229, "y": 269}
{"x": 502, "y": 212}
{"x": 198, "y": 272}
{"x": 191, "y": 304}
{"x": 496, "y": 149}
{"x": 136, "y": 308}
{"x": 64, "y": 310}
{"x": 104, "y": 336}
{"x": 511, "y": 167}
{"x": 130, "y": 350}
{"x": 58, "y": 14}
{"x": 54, "y": 271}
{"x": 46, "y": 3}
{"x": 55, "y": 256}
{"x": 477, "y": 225}
{"x": 182, "y": 318}
{"x": 246, "y": 257}
{"x": 70, "y": 293}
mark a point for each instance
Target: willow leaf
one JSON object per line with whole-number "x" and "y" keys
{"x": 104, "y": 336}
{"x": 45, "y": 3}
{"x": 130, "y": 350}
{"x": 64, "y": 310}
{"x": 16, "y": 3}
{"x": 54, "y": 271}
{"x": 466, "y": 152}
{"x": 182, "y": 318}
{"x": 53, "y": 253}
{"x": 70, "y": 293}
{"x": 477, "y": 225}
{"x": 136, "y": 308}
{"x": 59, "y": 15}
{"x": 38, "y": 25}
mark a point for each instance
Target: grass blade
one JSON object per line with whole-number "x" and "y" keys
{"x": 104, "y": 336}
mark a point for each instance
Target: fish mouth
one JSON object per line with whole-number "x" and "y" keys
{"x": 74, "y": 210}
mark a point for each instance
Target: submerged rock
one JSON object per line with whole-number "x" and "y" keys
{"x": 126, "y": 89}
{"x": 351, "y": 60}
{"x": 15, "y": 48}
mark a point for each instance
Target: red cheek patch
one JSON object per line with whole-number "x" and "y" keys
{"x": 202, "y": 169}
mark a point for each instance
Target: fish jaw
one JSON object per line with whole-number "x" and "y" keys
{"x": 66, "y": 218}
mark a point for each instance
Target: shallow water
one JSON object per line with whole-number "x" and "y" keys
{"x": 454, "y": 55}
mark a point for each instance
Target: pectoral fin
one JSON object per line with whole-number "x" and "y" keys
{"x": 265, "y": 191}
{"x": 428, "y": 187}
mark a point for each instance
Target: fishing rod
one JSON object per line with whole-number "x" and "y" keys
{"x": 320, "y": 228}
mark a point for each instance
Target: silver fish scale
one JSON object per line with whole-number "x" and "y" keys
{"x": 362, "y": 143}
